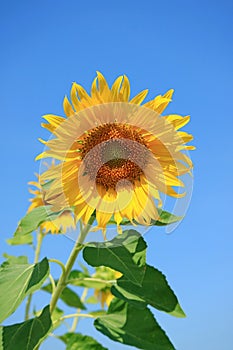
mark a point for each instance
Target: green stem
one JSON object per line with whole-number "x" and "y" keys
{"x": 75, "y": 321}
{"x": 70, "y": 262}
{"x": 58, "y": 262}
{"x": 77, "y": 315}
{"x": 40, "y": 237}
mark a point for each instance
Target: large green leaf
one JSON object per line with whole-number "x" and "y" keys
{"x": 132, "y": 326}
{"x": 154, "y": 291}
{"x": 77, "y": 341}
{"x": 125, "y": 253}
{"x": 25, "y": 335}
{"x": 17, "y": 281}
{"x": 68, "y": 296}
{"x": 30, "y": 223}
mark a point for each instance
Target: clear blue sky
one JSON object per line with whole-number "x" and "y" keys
{"x": 185, "y": 45}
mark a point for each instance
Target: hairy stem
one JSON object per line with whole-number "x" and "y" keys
{"x": 69, "y": 264}
{"x": 40, "y": 237}
{"x": 75, "y": 321}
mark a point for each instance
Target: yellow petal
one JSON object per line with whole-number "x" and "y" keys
{"x": 68, "y": 109}
{"x": 116, "y": 87}
{"x": 139, "y": 98}
{"x": 74, "y": 98}
{"x": 177, "y": 120}
{"x": 125, "y": 89}
{"x": 83, "y": 95}
{"x": 102, "y": 83}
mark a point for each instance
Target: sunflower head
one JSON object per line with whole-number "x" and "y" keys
{"x": 117, "y": 155}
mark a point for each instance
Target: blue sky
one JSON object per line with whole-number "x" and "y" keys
{"x": 47, "y": 45}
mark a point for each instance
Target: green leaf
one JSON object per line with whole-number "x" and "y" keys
{"x": 131, "y": 298}
{"x": 55, "y": 317}
{"x": 30, "y": 223}
{"x": 125, "y": 253}
{"x": 165, "y": 218}
{"x": 154, "y": 291}
{"x": 14, "y": 260}
{"x": 77, "y": 341}
{"x": 75, "y": 274}
{"x": 26, "y": 335}
{"x": 131, "y": 326}
{"x": 68, "y": 296}
{"x": 177, "y": 312}
{"x": 18, "y": 281}
{"x": 19, "y": 239}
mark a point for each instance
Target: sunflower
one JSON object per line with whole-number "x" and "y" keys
{"x": 61, "y": 224}
{"x": 117, "y": 155}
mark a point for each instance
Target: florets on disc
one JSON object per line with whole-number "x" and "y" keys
{"x": 114, "y": 152}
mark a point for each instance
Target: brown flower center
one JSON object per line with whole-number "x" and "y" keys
{"x": 114, "y": 152}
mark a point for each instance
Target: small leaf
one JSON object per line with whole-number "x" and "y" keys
{"x": 39, "y": 271}
{"x": 26, "y": 335}
{"x": 30, "y": 223}
{"x": 75, "y": 274}
{"x": 77, "y": 341}
{"x": 131, "y": 326}
{"x": 165, "y": 218}
{"x": 19, "y": 239}
{"x": 125, "y": 253}
{"x": 154, "y": 291}
{"x": 18, "y": 281}
{"x": 14, "y": 260}
{"x": 68, "y": 296}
